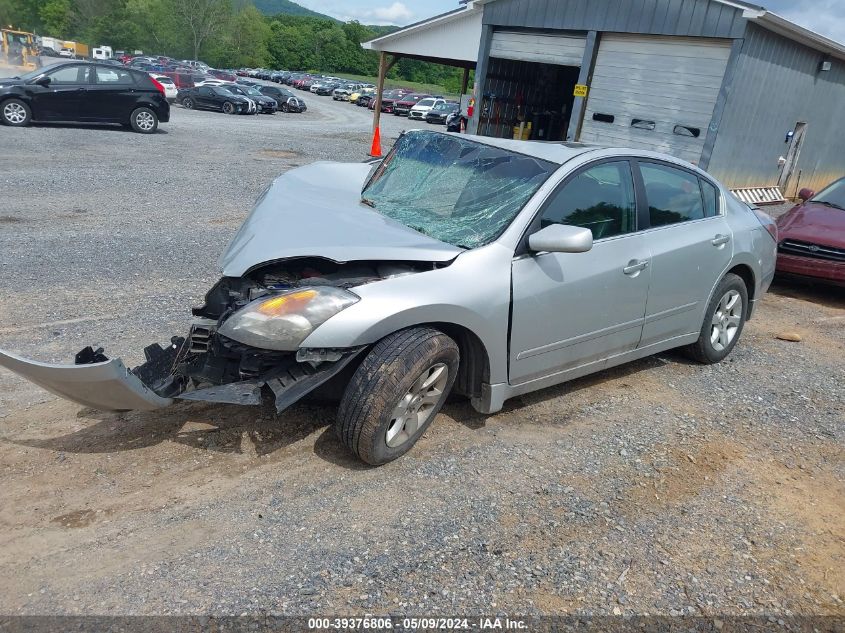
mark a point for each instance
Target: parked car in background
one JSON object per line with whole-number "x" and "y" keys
{"x": 455, "y": 121}
{"x": 440, "y": 113}
{"x": 222, "y": 74}
{"x": 216, "y": 98}
{"x": 353, "y": 98}
{"x": 66, "y": 51}
{"x": 423, "y": 107}
{"x": 538, "y": 263}
{"x": 264, "y": 103}
{"x": 403, "y": 106}
{"x": 87, "y": 93}
{"x": 812, "y": 235}
{"x": 286, "y": 100}
{"x": 364, "y": 100}
{"x": 170, "y": 89}
{"x": 341, "y": 94}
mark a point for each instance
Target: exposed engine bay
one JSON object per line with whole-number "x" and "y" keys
{"x": 210, "y": 366}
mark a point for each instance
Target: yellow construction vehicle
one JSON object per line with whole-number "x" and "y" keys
{"x": 18, "y": 48}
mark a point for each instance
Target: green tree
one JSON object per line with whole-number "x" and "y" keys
{"x": 201, "y": 20}
{"x": 57, "y": 17}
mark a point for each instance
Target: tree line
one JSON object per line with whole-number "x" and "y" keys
{"x": 223, "y": 33}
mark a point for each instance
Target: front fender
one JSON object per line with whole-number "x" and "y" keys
{"x": 473, "y": 293}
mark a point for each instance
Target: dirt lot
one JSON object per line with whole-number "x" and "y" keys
{"x": 662, "y": 487}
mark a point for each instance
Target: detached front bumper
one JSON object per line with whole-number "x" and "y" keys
{"x": 108, "y": 385}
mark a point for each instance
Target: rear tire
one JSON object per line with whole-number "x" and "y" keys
{"x": 228, "y": 108}
{"x": 723, "y": 322}
{"x": 284, "y": 107}
{"x": 396, "y": 393}
{"x": 16, "y": 113}
{"x": 143, "y": 121}
{"x": 188, "y": 103}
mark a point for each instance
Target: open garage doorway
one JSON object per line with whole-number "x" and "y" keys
{"x": 527, "y": 100}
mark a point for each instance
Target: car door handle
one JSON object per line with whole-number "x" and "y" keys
{"x": 721, "y": 240}
{"x": 634, "y": 267}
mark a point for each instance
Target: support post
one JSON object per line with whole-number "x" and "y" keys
{"x": 382, "y": 71}
{"x": 481, "y": 75}
{"x": 585, "y": 76}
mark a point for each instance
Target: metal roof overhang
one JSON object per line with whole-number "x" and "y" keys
{"x": 452, "y": 38}
{"x": 775, "y": 23}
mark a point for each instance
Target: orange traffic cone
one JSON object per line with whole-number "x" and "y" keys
{"x": 375, "y": 152}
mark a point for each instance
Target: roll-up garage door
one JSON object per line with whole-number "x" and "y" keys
{"x": 655, "y": 93}
{"x": 565, "y": 50}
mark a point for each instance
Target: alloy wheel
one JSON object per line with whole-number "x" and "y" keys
{"x": 726, "y": 321}
{"x": 14, "y": 113}
{"x": 145, "y": 121}
{"x": 416, "y": 406}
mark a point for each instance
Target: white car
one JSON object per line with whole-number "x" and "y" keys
{"x": 170, "y": 89}
{"x": 423, "y": 107}
{"x": 67, "y": 52}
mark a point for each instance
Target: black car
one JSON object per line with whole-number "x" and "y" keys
{"x": 454, "y": 120}
{"x": 288, "y": 102}
{"x": 265, "y": 104}
{"x": 364, "y": 101}
{"x": 216, "y": 98}
{"x": 439, "y": 113}
{"x": 86, "y": 93}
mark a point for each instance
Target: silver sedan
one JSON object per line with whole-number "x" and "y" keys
{"x": 484, "y": 267}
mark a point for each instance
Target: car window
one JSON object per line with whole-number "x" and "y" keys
{"x": 69, "y": 75}
{"x": 600, "y": 198}
{"x": 113, "y": 76}
{"x": 711, "y": 199}
{"x": 673, "y": 194}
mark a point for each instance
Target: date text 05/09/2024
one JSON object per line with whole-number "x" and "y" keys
{"x": 410, "y": 624}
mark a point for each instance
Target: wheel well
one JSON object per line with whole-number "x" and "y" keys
{"x": 475, "y": 362}
{"x": 747, "y": 275}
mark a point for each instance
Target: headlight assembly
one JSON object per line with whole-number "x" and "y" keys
{"x": 282, "y": 321}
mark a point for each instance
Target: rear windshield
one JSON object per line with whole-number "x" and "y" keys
{"x": 426, "y": 102}
{"x": 457, "y": 191}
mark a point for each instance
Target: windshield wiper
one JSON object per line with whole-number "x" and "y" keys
{"x": 828, "y": 204}
{"x": 368, "y": 202}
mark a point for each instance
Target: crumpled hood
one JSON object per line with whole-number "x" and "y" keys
{"x": 316, "y": 211}
{"x": 814, "y": 223}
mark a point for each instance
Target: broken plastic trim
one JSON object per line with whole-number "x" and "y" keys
{"x": 288, "y": 385}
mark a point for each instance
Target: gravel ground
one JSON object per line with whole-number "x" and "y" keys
{"x": 662, "y": 487}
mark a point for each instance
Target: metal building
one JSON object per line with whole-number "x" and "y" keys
{"x": 740, "y": 91}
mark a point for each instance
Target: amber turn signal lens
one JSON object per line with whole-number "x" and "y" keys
{"x": 285, "y": 304}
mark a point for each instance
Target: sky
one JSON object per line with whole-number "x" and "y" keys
{"x": 823, "y": 16}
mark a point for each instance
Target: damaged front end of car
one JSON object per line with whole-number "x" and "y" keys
{"x": 243, "y": 345}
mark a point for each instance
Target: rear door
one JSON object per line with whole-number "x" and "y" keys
{"x": 112, "y": 98}
{"x": 691, "y": 247}
{"x": 62, "y": 98}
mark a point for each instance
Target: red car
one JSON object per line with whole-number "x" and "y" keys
{"x": 812, "y": 235}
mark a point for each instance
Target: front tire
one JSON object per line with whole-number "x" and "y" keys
{"x": 16, "y": 113}
{"x": 188, "y": 103}
{"x": 723, "y": 322}
{"x": 284, "y": 107}
{"x": 396, "y": 393}
{"x": 143, "y": 121}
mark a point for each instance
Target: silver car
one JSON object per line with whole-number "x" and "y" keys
{"x": 485, "y": 267}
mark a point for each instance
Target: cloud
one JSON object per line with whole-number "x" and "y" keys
{"x": 395, "y": 13}
{"x": 822, "y": 16}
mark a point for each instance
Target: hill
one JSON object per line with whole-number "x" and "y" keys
{"x": 275, "y": 7}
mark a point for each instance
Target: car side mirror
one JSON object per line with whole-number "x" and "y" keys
{"x": 561, "y": 238}
{"x": 805, "y": 194}
{"x": 43, "y": 81}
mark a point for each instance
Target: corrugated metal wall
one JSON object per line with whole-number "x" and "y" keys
{"x": 661, "y": 17}
{"x": 778, "y": 84}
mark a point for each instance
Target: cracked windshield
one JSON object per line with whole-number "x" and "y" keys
{"x": 454, "y": 190}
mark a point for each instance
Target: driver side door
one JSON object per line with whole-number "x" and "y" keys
{"x": 61, "y": 99}
{"x": 571, "y": 310}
